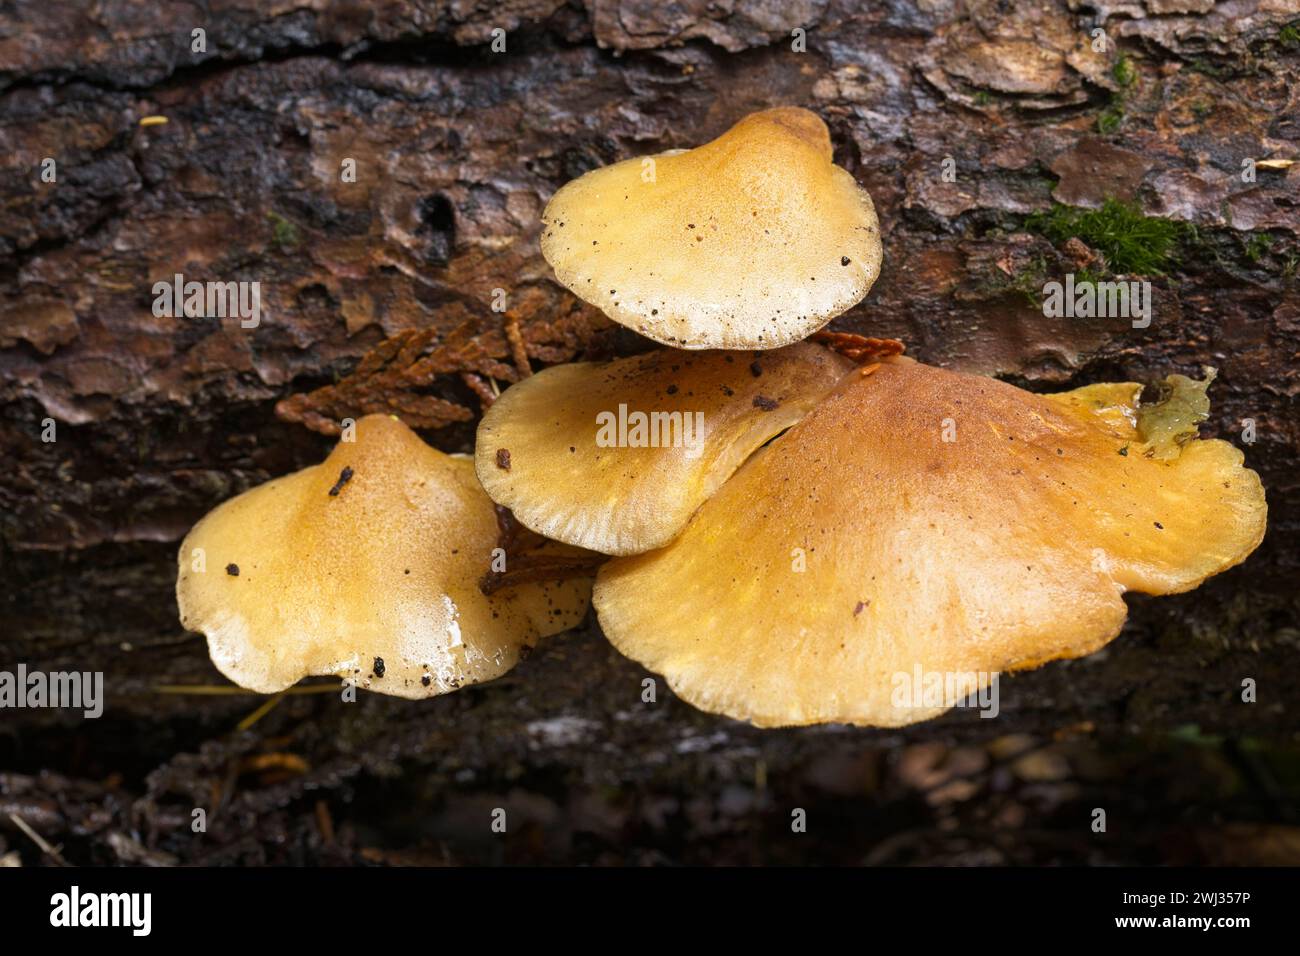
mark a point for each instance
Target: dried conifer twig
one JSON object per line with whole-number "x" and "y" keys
{"x": 860, "y": 348}
{"x": 394, "y": 377}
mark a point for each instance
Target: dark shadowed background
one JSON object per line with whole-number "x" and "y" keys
{"x": 457, "y": 149}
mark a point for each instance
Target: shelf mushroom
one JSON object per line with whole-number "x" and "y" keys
{"x": 924, "y": 521}
{"x": 366, "y": 567}
{"x": 616, "y": 456}
{"x": 752, "y": 241}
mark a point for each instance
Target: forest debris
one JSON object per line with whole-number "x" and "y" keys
{"x": 395, "y": 377}
{"x": 129, "y": 850}
{"x": 259, "y": 763}
{"x": 51, "y": 851}
{"x": 1171, "y": 421}
{"x": 324, "y": 821}
{"x": 860, "y": 348}
{"x": 219, "y": 690}
{"x": 266, "y": 707}
{"x": 344, "y": 477}
{"x": 518, "y": 349}
{"x": 479, "y": 387}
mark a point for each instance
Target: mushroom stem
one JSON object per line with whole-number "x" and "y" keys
{"x": 525, "y": 565}
{"x": 536, "y": 568}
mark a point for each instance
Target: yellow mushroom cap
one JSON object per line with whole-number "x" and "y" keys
{"x": 924, "y": 522}
{"x": 617, "y": 456}
{"x": 367, "y": 567}
{"x": 754, "y": 240}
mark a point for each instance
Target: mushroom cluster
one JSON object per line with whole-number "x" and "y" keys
{"x": 1007, "y": 547}
{"x": 827, "y": 526}
{"x": 676, "y": 425}
{"x": 794, "y": 518}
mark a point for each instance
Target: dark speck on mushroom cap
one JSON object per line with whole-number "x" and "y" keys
{"x": 344, "y": 477}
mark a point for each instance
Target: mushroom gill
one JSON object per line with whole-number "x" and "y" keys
{"x": 754, "y": 240}
{"x": 367, "y": 567}
{"x": 924, "y": 521}
{"x": 617, "y": 456}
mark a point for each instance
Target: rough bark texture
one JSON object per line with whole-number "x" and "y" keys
{"x": 457, "y": 149}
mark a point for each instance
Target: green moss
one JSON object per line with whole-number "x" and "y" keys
{"x": 1289, "y": 35}
{"x": 1027, "y": 282}
{"x": 983, "y": 98}
{"x": 1131, "y": 242}
{"x": 284, "y": 234}
{"x": 1112, "y": 117}
{"x": 1207, "y": 67}
{"x": 1123, "y": 72}
{"x": 1087, "y": 275}
{"x": 1257, "y": 245}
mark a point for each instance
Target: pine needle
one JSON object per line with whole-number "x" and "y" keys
{"x": 267, "y": 706}
{"x": 221, "y": 690}
{"x": 39, "y": 840}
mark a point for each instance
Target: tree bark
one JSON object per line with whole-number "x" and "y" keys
{"x": 457, "y": 147}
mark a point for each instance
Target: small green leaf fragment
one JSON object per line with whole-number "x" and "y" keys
{"x": 1171, "y": 421}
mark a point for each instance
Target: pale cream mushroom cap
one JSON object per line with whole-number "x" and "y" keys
{"x": 386, "y": 569}
{"x": 616, "y": 456}
{"x": 752, "y": 241}
{"x": 924, "y": 522}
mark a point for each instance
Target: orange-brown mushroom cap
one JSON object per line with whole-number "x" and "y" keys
{"x": 754, "y": 240}
{"x": 616, "y": 456}
{"x": 924, "y": 521}
{"x": 367, "y": 567}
